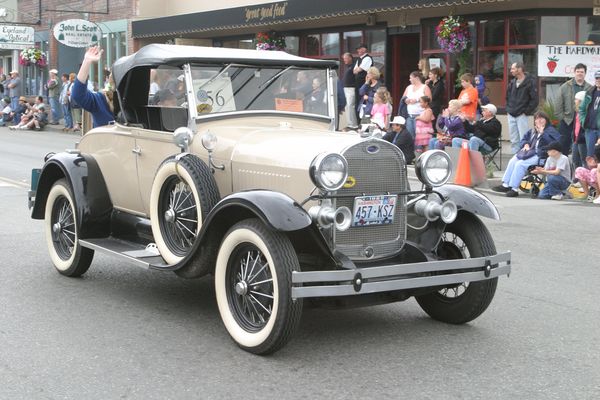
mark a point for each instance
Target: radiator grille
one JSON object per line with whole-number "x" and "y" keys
{"x": 377, "y": 167}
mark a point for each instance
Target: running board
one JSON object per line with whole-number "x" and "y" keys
{"x": 134, "y": 253}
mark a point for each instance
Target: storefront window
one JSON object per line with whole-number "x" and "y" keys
{"x": 113, "y": 47}
{"x": 526, "y": 56}
{"x": 429, "y": 37}
{"x": 292, "y": 44}
{"x": 523, "y": 31}
{"x": 376, "y": 40}
{"x": 491, "y": 33}
{"x": 313, "y": 43}
{"x": 491, "y": 64}
{"x": 351, "y": 41}
{"x": 589, "y": 30}
{"x": 552, "y": 35}
{"x": 122, "y": 44}
{"x": 330, "y": 44}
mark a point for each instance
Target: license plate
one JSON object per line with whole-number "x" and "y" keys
{"x": 374, "y": 210}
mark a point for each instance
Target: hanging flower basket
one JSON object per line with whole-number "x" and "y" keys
{"x": 270, "y": 41}
{"x": 32, "y": 56}
{"x": 453, "y": 34}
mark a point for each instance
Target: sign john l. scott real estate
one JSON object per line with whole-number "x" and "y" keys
{"x": 560, "y": 60}
{"x": 16, "y": 37}
{"x": 77, "y": 33}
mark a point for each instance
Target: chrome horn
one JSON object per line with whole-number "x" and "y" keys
{"x": 326, "y": 216}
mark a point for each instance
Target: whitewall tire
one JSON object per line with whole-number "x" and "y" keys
{"x": 183, "y": 193}
{"x": 62, "y": 232}
{"x": 253, "y": 287}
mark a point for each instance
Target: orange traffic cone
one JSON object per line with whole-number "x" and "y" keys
{"x": 463, "y": 169}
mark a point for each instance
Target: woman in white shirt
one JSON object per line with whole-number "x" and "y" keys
{"x": 413, "y": 94}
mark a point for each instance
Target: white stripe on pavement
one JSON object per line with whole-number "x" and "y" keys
{"x": 10, "y": 182}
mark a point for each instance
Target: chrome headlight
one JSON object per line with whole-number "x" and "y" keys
{"x": 434, "y": 168}
{"x": 329, "y": 171}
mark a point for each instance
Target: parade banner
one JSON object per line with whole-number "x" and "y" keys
{"x": 559, "y": 61}
{"x": 77, "y": 33}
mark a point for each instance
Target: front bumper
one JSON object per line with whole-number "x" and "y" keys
{"x": 398, "y": 276}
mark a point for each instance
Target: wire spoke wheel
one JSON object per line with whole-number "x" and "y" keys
{"x": 183, "y": 193}
{"x": 452, "y": 247}
{"x": 250, "y": 288}
{"x": 466, "y": 237}
{"x": 63, "y": 228}
{"x": 178, "y": 210}
{"x": 62, "y": 232}
{"x": 253, "y": 285}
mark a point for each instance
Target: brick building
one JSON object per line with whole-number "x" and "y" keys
{"x": 113, "y": 17}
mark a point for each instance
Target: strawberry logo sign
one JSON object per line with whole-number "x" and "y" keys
{"x": 551, "y": 64}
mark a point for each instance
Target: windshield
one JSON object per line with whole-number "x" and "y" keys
{"x": 241, "y": 88}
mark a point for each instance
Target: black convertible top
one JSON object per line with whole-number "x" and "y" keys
{"x": 176, "y": 55}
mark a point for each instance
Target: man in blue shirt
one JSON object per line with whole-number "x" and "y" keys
{"x": 98, "y": 104}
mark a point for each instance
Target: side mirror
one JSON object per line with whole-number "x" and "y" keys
{"x": 182, "y": 137}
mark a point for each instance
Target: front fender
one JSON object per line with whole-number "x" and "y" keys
{"x": 469, "y": 200}
{"x": 277, "y": 210}
{"x": 92, "y": 202}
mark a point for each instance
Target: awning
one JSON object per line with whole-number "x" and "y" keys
{"x": 280, "y": 12}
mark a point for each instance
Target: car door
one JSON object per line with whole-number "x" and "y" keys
{"x": 152, "y": 148}
{"x": 113, "y": 148}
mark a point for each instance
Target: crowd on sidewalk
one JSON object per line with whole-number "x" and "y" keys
{"x": 19, "y": 113}
{"x": 421, "y": 122}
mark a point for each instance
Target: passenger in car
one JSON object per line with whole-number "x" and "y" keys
{"x": 165, "y": 98}
{"x": 99, "y": 104}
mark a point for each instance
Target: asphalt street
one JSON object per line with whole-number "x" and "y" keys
{"x": 125, "y": 333}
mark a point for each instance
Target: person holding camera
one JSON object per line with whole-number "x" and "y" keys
{"x": 366, "y": 94}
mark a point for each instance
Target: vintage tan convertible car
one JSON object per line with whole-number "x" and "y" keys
{"x": 227, "y": 162}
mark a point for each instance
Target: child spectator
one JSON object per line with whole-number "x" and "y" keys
{"x": 588, "y": 177}
{"x": 380, "y": 112}
{"x": 450, "y": 125}
{"x": 468, "y": 97}
{"x": 423, "y": 126}
{"x": 557, "y": 170}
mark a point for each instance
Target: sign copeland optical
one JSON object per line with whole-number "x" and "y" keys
{"x": 16, "y": 37}
{"x": 77, "y": 33}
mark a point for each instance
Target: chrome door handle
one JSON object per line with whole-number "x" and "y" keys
{"x": 136, "y": 150}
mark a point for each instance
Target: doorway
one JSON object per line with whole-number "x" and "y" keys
{"x": 405, "y": 57}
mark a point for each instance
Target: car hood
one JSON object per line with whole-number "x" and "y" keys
{"x": 289, "y": 148}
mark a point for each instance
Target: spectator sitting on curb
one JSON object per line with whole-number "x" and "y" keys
{"x": 588, "y": 177}
{"x": 531, "y": 152}
{"x": 38, "y": 120}
{"x": 6, "y": 112}
{"x": 21, "y": 109}
{"x": 484, "y": 135}
{"x": 402, "y": 138}
{"x": 557, "y": 170}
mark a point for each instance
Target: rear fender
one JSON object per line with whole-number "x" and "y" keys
{"x": 92, "y": 202}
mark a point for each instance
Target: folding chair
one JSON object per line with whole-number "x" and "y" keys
{"x": 489, "y": 158}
